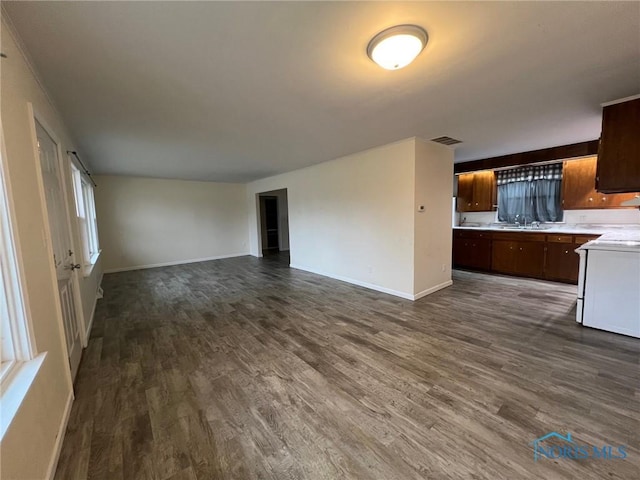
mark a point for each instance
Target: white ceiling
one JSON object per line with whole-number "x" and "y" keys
{"x": 237, "y": 91}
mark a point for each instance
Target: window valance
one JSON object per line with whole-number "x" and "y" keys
{"x": 535, "y": 172}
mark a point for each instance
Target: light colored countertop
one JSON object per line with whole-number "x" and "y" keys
{"x": 623, "y": 241}
{"x": 568, "y": 229}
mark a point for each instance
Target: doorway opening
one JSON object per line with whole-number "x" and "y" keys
{"x": 274, "y": 224}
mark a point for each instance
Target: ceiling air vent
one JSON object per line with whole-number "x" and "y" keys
{"x": 446, "y": 140}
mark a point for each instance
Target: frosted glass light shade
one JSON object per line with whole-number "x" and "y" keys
{"x": 397, "y": 47}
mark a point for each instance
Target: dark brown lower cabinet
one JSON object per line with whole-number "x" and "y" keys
{"x": 472, "y": 250}
{"x": 504, "y": 256}
{"x": 472, "y": 253}
{"x": 562, "y": 262}
{"x": 525, "y": 254}
{"x": 525, "y": 259}
{"x": 530, "y": 262}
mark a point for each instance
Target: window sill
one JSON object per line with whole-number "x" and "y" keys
{"x": 16, "y": 388}
{"x": 7, "y": 370}
{"x": 88, "y": 267}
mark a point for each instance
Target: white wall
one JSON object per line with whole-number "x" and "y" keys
{"x": 283, "y": 220}
{"x": 609, "y": 216}
{"x": 29, "y": 447}
{"x": 433, "y": 237}
{"x": 350, "y": 218}
{"x": 149, "y": 222}
{"x": 603, "y": 216}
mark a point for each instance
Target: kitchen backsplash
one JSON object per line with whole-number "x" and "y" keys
{"x": 571, "y": 217}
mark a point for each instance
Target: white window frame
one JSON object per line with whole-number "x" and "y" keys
{"x": 85, "y": 217}
{"x": 18, "y": 355}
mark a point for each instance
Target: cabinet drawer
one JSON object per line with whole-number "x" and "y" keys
{"x": 471, "y": 234}
{"x": 520, "y": 236}
{"x": 560, "y": 238}
{"x": 582, "y": 239}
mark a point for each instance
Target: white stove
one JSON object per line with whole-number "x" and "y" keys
{"x": 609, "y": 283}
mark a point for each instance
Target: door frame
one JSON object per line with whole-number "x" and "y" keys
{"x": 258, "y": 219}
{"x": 33, "y": 116}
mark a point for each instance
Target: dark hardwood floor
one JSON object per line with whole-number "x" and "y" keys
{"x": 246, "y": 369}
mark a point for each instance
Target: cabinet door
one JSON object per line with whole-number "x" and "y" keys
{"x": 619, "y": 152}
{"x": 562, "y": 262}
{"x": 481, "y": 252}
{"x": 460, "y": 252}
{"x": 465, "y": 192}
{"x": 579, "y": 184}
{"x": 504, "y": 256}
{"x": 530, "y": 259}
{"x": 484, "y": 191}
{"x": 578, "y": 187}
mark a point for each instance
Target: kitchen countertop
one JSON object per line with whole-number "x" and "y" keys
{"x": 623, "y": 241}
{"x": 567, "y": 229}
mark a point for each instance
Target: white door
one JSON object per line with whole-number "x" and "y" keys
{"x": 63, "y": 255}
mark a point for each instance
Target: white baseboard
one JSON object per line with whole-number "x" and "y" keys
{"x": 370, "y": 286}
{"x": 433, "y": 289}
{"x": 179, "y": 262}
{"x": 53, "y": 463}
{"x": 378, "y": 288}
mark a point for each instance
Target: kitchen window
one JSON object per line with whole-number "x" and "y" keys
{"x": 19, "y": 365}
{"x": 86, "y": 216}
{"x": 530, "y": 194}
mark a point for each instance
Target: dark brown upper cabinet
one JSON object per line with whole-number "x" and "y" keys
{"x": 579, "y": 187}
{"x": 619, "y": 152}
{"x": 476, "y": 191}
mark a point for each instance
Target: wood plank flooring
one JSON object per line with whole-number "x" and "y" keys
{"x": 246, "y": 369}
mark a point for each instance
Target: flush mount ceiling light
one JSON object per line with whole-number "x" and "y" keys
{"x": 397, "y": 47}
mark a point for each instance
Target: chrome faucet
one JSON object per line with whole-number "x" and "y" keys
{"x": 523, "y": 217}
